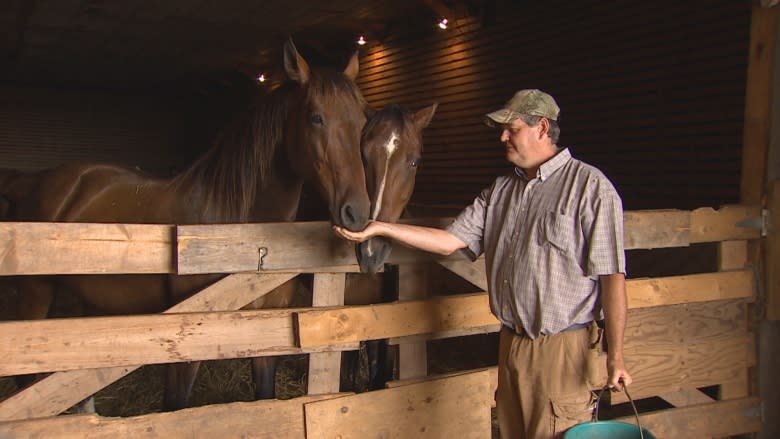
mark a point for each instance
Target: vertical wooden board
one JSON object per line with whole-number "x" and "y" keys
{"x": 758, "y": 102}
{"x": 773, "y": 254}
{"x": 656, "y": 229}
{"x": 453, "y": 407}
{"x": 412, "y": 285}
{"x": 738, "y": 388}
{"x": 732, "y": 255}
{"x": 325, "y": 367}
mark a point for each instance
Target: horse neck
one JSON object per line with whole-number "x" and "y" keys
{"x": 245, "y": 166}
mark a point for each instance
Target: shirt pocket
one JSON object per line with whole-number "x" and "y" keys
{"x": 557, "y": 230}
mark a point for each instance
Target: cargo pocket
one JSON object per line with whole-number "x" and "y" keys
{"x": 596, "y": 359}
{"x": 569, "y": 410}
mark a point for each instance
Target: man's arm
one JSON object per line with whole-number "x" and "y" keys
{"x": 429, "y": 239}
{"x": 615, "y": 303}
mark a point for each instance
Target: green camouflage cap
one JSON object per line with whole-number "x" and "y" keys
{"x": 531, "y": 102}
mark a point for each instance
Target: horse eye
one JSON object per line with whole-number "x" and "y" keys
{"x": 316, "y": 119}
{"x": 415, "y": 163}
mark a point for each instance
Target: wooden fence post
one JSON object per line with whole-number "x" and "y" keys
{"x": 412, "y": 285}
{"x": 325, "y": 367}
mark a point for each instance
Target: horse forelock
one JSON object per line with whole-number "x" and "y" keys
{"x": 326, "y": 85}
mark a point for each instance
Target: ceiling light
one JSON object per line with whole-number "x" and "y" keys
{"x": 361, "y": 41}
{"x": 443, "y": 23}
{"x": 261, "y": 77}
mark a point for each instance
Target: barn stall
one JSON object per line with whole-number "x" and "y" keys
{"x": 701, "y": 295}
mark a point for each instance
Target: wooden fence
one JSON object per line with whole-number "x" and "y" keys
{"x": 684, "y": 333}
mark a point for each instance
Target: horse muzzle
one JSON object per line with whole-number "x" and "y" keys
{"x": 372, "y": 254}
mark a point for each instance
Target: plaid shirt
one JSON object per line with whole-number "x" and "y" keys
{"x": 546, "y": 241}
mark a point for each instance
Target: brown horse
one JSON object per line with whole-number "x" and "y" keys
{"x": 391, "y": 145}
{"x": 307, "y": 130}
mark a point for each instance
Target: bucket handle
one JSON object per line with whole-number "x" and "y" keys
{"x": 636, "y": 413}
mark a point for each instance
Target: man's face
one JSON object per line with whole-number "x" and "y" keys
{"x": 519, "y": 139}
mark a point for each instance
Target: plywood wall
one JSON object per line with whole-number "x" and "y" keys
{"x": 44, "y": 127}
{"x": 651, "y": 92}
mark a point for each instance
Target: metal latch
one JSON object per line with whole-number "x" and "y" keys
{"x": 757, "y": 222}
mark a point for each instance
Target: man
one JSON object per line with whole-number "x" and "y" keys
{"x": 552, "y": 235}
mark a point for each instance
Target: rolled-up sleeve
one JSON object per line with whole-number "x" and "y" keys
{"x": 605, "y": 252}
{"x": 469, "y": 225}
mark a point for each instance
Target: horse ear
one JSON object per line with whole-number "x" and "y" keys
{"x": 297, "y": 68}
{"x": 423, "y": 117}
{"x": 352, "y": 67}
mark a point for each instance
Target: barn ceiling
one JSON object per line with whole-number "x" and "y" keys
{"x": 130, "y": 44}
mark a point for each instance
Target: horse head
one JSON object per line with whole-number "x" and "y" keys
{"x": 323, "y": 129}
{"x": 391, "y": 145}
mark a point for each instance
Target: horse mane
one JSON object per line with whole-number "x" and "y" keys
{"x": 236, "y": 168}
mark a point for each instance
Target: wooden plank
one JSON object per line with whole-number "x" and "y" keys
{"x": 235, "y": 247}
{"x": 718, "y": 419}
{"x": 85, "y": 343}
{"x": 58, "y": 248}
{"x": 738, "y": 388}
{"x": 232, "y": 292}
{"x": 473, "y": 272}
{"x": 442, "y": 316}
{"x": 59, "y": 391}
{"x": 732, "y": 255}
{"x": 758, "y": 103}
{"x": 662, "y": 367}
{"x": 686, "y": 323}
{"x": 649, "y": 228}
{"x": 773, "y": 254}
{"x": 325, "y": 367}
{"x": 372, "y": 322}
{"x": 413, "y": 354}
{"x": 686, "y": 397}
{"x": 710, "y": 225}
{"x": 457, "y": 406}
{"x": 258, "y": 419}
{"x": 689, "y": 288}
{"x": 679, "y": 332}
{"x": 73, "y": 248}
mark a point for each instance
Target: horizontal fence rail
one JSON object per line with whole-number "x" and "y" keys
{"x": 87, "y": 248}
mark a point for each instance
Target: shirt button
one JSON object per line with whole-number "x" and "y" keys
{"x": 506, "y": 281}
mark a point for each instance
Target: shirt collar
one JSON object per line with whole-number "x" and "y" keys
{"x": 550, "y": 166}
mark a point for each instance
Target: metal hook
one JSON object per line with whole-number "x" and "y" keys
{"x": 262, "y": 251}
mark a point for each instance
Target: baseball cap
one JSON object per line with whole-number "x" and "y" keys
{"x": 531, "y": 102}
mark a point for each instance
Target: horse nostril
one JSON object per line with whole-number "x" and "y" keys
{"x": 352, "y": 220}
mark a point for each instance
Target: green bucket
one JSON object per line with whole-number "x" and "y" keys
{"x": 607, "y": 430}
{"x": 596, "y": 429}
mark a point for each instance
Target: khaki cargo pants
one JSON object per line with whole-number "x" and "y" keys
{"x": 543, "y": 384}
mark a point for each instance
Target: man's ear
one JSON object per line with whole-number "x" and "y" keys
{"x": 544, "y": 127}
